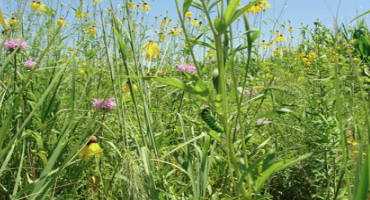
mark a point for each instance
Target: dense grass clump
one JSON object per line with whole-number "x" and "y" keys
{"x": 98, "y": 103}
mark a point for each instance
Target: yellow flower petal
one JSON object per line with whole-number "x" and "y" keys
{"x": 91, "y": 150}
{"x": 3, "y": 21}
{"x": 258, "y": 6}
{"x": 145, "y": 7}
{"x": 152, "y": 50}
{"x": 189, "y": 14}
{"x": 61, "y": 22}
{"x": 91, "y": 31}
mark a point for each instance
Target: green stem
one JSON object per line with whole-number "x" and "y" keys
{"x": 140, "y": 73}
{"x": 187, "y": 37}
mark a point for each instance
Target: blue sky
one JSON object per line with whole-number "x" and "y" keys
{"x": 297, "y": 11}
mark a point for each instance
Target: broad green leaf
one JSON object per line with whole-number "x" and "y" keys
{"x": 200, "y": 88}
{"x": 240, "y": 12}
{"x": 173, "y": 82}
{"x": 276, "y": 167}
{"x": 230, "y": 11}
{"x": 220, "y": 25}
{"x": 253, "y": 35}
{"x": 7, "y": 159}
{"x": 118, "y": 35}
{"x": 180, "y": 146}
{"x": 186, "y": 6}
{"x": 36, "y": 136}
{"x": 42, "y": 184}
{"x": 201, "y": 43}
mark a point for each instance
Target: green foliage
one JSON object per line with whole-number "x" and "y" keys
{"x": 285, "y": 118}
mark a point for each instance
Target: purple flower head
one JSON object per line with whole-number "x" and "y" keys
{"x": 101, "y": 104}
{"x": 14, "y": 44}
{"x": 186, "y": 68}
{"x": 97, "y": 103}
{"x": 109, "y": 104}
{"x": 30, "y": 64}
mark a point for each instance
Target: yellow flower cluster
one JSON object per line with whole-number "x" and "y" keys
{"x": 308, "y": 58}
{"x": 163, "y": 24}
{"x": 8, "y": 24}
{"x": 144, "y": 6}
{"x": 193, "y": 21}
{"x": 258, "y": 6}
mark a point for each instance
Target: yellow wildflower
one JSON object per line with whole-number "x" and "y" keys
{"x": 266, "y": 44}
{"x": 165, "y": 21}
{"x": 152, "y": 50}
{"x": 35, "y": 5}
{"x": 196, "y": 23}
{"x": 189, "y": 14}
{"x": 13, "y": 21}
{"x": 91, "y": 31}
{"x": 80, "y": 15}
{"x": 176, "y": 31}
{"x": 145, "y": 7}
{"x": 38, "y": 6}
{"x": 279, "y": 52}
{"x": 92, "y": 149}
{"x": 3, "y": 21}
{"x": 258, "y": 6}
{"x": 96, "y": 2}
{"x": 131, "y": 5}
{"x": 61, "y": 22}
{"x": 126, "y": 87}
{"x": 279, "y": 38}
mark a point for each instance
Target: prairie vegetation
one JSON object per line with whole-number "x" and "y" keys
{"x": 98, "y": 101}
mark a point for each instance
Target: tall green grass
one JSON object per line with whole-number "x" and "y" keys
{"x": 290, "y": 125}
